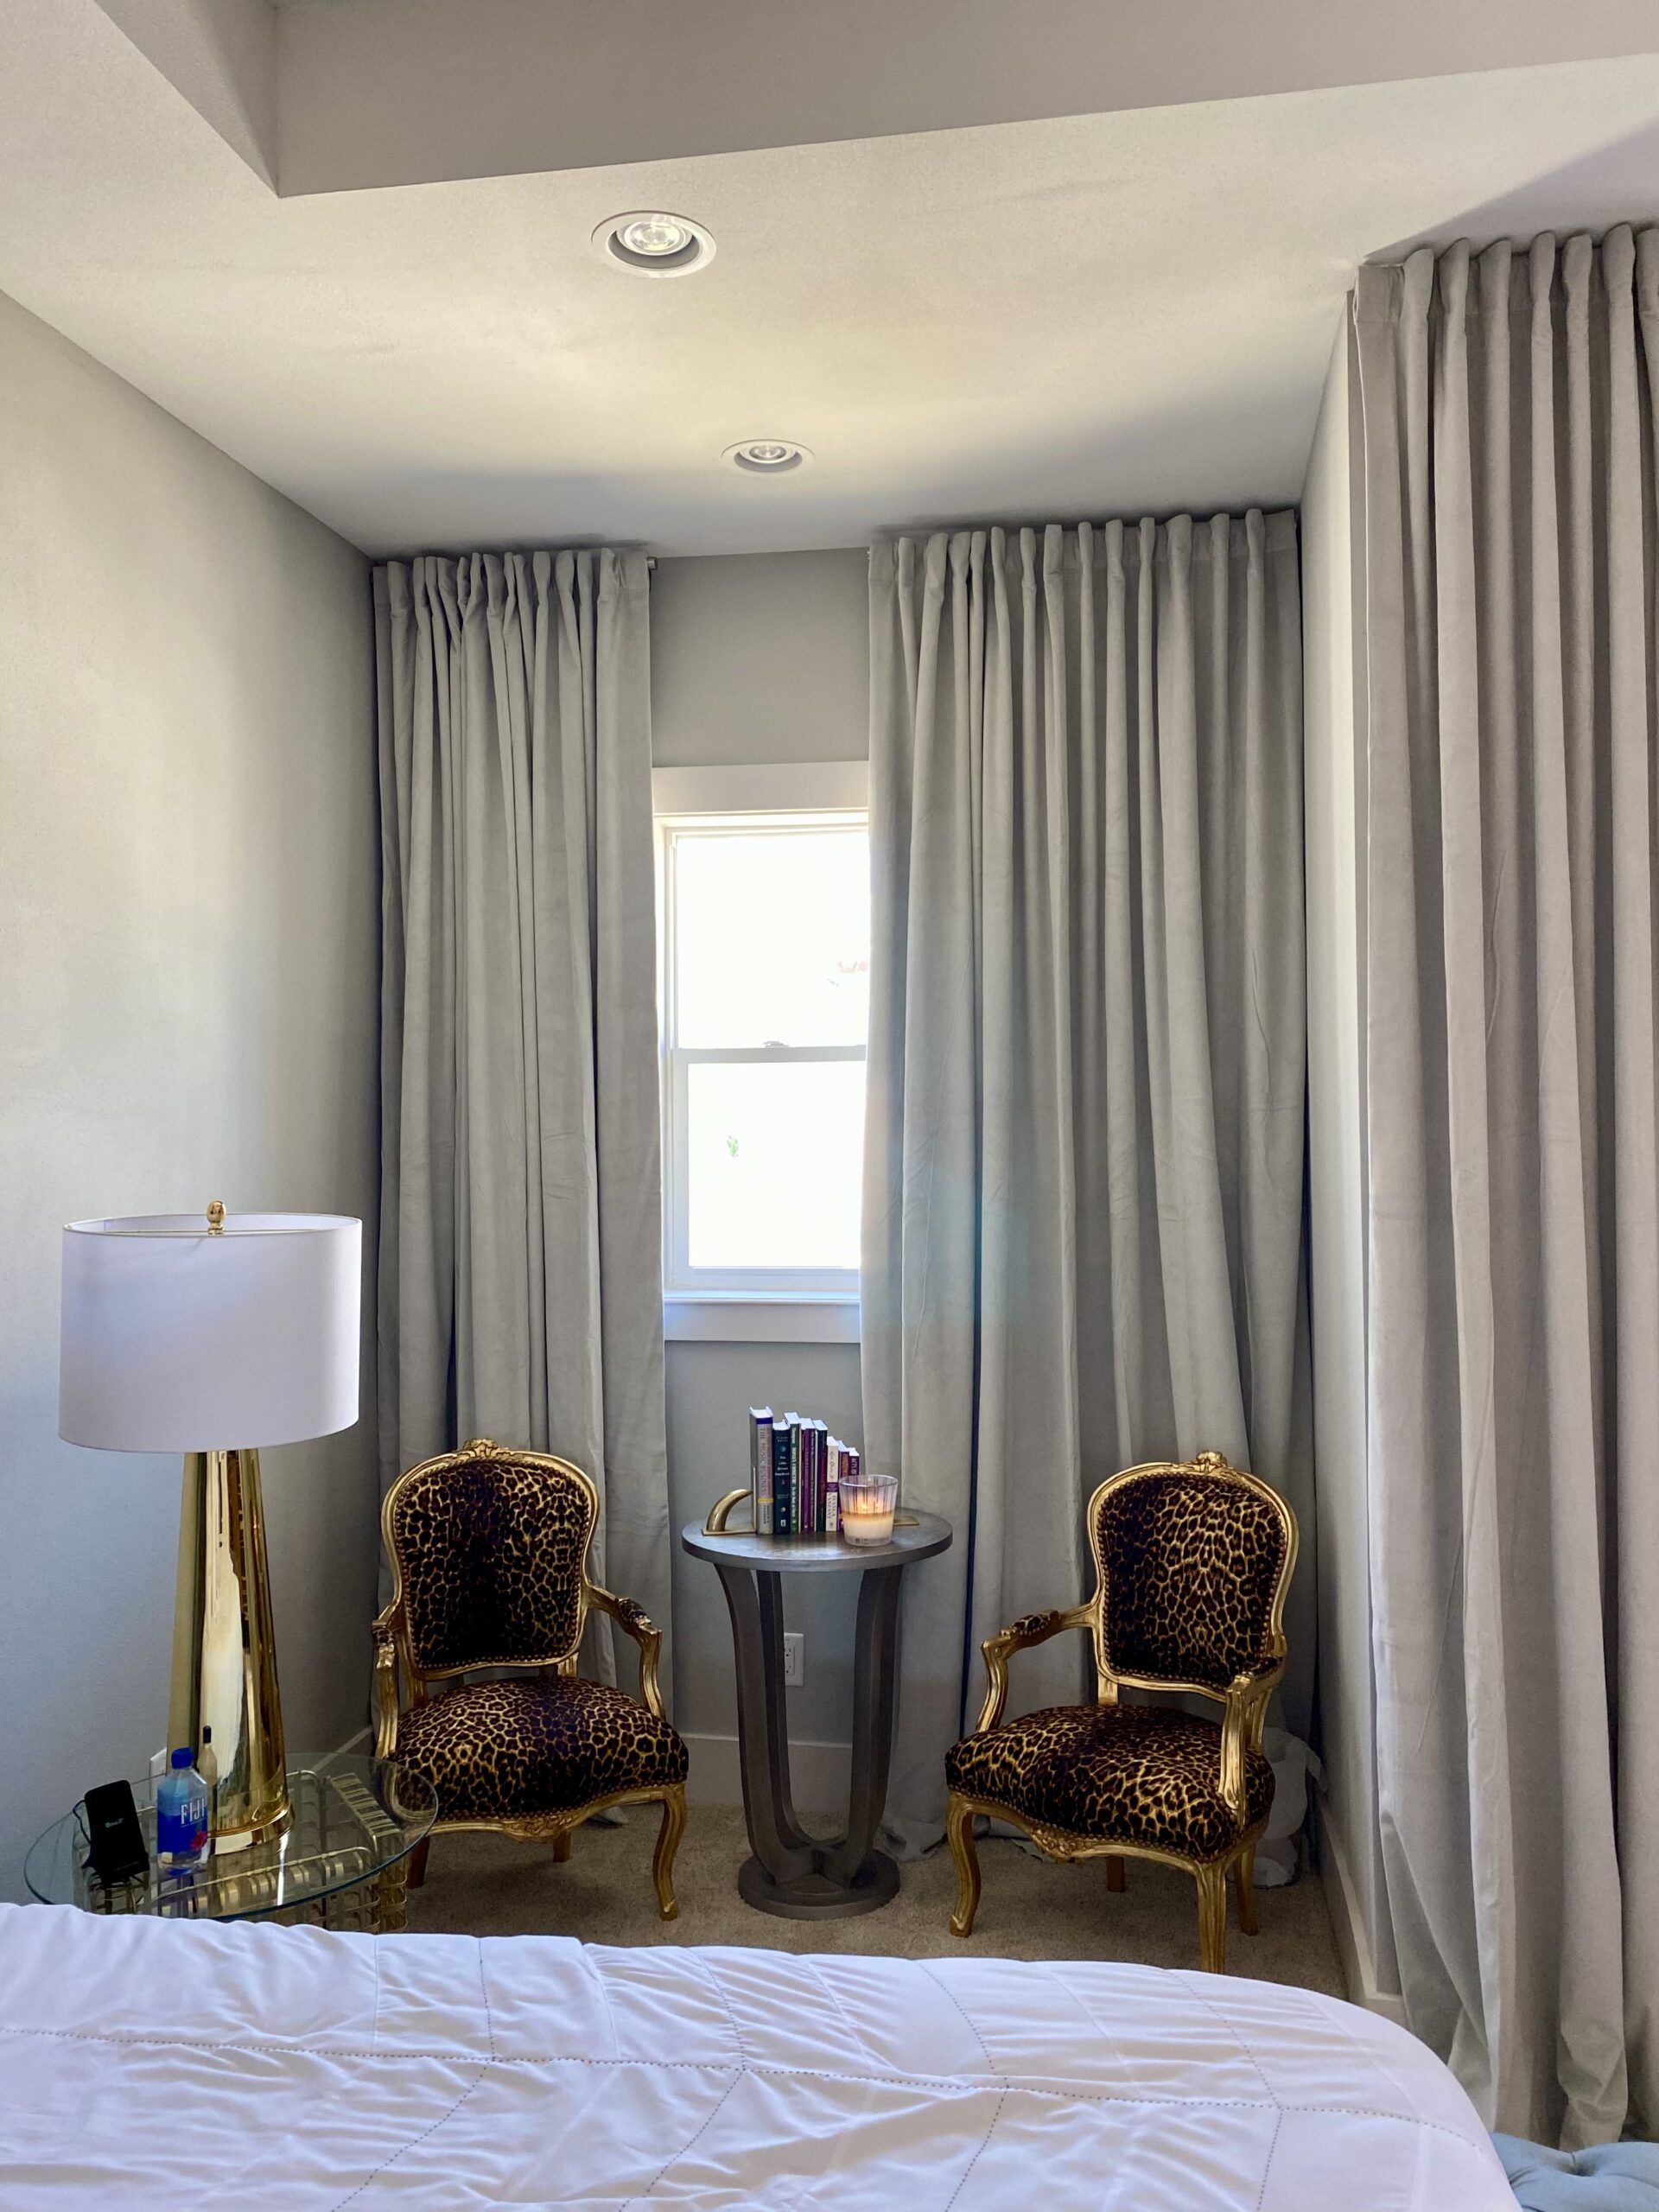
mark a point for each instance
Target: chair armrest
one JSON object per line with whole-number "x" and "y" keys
{"x": 1246, "y": 1709}
{"x": 385, "y": 1685}
{"x": 1030, "y": 1628}
{"x": 637, "y": 1622}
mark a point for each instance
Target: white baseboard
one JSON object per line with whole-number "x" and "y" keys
{"x": 820, "y": 1774}
{"x": 1348, "y": 1924}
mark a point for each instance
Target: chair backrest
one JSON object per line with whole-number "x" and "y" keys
{"x": 488, "y": 1546}
{"x": 1194, "y": 1558}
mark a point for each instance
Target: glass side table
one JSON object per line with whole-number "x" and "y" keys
{"x": 341, "y": 1862}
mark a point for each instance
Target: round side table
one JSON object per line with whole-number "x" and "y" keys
{"x": 792, "y": 1873}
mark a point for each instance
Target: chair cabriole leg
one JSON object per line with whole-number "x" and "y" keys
{"x": 668, "y": 1842}
{"x": 1115, "y": 1877}
{"x": 1212, "y": 1918}
{"x": 561, "y": 1848}
{"x": 417, "y": 1863}
{"x": 959, "y": 1834}
{"x": 1244, "y": 1890}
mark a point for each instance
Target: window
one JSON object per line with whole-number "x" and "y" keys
{"x": 766, "y": 1004}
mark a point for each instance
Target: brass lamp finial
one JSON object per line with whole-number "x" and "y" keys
{"x": 216, "y": 1218}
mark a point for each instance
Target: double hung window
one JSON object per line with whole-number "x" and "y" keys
{"x": 764, "y": 990}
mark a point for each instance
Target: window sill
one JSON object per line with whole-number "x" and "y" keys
{"x": 733, "y": 1317}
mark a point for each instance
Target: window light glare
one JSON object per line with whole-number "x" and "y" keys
{"x": 767, "y": 973}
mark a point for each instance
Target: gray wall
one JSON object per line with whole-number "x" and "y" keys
{"x": 760, "y": 657}
{"x": 710, "y": 1389}
{"x": 756, "y": 658}
{"x": 187, "y": 1011}
{"x": 1334, "y": 737}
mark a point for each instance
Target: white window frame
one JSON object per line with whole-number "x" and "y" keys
{"x": 746, "y": 1306}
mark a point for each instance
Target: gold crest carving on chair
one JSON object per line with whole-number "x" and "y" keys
{"x": 489, "y": 1548}
{"x": 1193, "y": 1560}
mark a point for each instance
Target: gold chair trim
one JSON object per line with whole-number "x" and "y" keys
{"x": 396, "y": 1613}
{"x": 1244, "y": 1702}
{"x": 1060, "y": 1845}
{"x": 394, "y": 1649}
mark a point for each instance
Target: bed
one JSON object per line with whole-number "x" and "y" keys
{"x": 147, "y": 2065}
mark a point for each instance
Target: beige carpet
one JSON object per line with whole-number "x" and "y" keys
{"x": 487, "y": 1885}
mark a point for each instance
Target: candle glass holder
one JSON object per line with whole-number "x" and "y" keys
{"x": 867, "y": 1509}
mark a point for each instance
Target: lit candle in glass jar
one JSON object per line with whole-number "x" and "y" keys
{"x": 867, "y": 1506}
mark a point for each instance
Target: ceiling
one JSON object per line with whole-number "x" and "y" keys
{"x": 1105, "y": 312}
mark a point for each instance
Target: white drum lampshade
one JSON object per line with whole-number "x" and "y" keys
{"x": 180, "y": 1338}
{"x": 212, "y": 1335}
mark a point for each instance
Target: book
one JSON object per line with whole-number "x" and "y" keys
{"x": 820, "y": 1477}
{"x": 761, "y": 1468}
{"x": 780, "y": 1455}
{"x": 837, "y": 1450}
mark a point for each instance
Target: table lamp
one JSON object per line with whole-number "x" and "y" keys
{"x": 213, "y": 1335}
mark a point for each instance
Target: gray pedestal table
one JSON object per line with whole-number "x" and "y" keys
{"x": 792, "y": 1873}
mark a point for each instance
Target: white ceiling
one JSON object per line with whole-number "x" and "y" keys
{"x": 1089, "y": 316}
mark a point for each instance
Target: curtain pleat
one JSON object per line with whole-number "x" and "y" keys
{"x": 1084, "y": 1153}
{"x": 521, "y": 1238}
{"x": 1509, "y": 422}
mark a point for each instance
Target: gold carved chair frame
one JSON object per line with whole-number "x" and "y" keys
{"x": 1244, "y": 1703}
{"x": 394, "y": 1650}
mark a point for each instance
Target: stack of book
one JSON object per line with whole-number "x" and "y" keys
{"x": 796, "y": 1470}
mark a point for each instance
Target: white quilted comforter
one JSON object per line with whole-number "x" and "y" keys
{"x": 149, "y": 2065}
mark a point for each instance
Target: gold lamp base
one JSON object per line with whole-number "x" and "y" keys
{"x": 224, "y": 1653}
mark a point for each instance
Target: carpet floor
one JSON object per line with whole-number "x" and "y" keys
{"x": 481, "y": 1884}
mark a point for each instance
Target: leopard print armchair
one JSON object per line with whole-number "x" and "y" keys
{"x": 1193, "y": 1560}
{"x": 489, "y": 1549}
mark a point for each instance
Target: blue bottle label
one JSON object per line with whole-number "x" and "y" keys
{"x": 180, "y": 1820}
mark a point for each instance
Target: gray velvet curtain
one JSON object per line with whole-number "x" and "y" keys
{"x": 1083, "y": 1171}
{"x": 1509, "y": 434}
{"x": 520, "y": 1224}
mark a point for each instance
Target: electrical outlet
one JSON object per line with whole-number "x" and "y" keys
{"x": 794, "y": 1659}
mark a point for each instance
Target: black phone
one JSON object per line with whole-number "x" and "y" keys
{"x": 115, "y": 1841}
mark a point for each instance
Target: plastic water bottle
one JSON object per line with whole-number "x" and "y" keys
{"x": 207, "y": 1768}
{"x": 181, "y": 1814}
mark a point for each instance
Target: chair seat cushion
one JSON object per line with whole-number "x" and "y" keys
{"x": 508, "y": 1750}
{"x": 1123, "y": 1774}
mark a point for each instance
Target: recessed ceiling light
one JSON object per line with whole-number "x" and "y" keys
{"x": 653, "y": 242}
{"x": 767, "y": 457}
{"x": 656, "y": 235}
